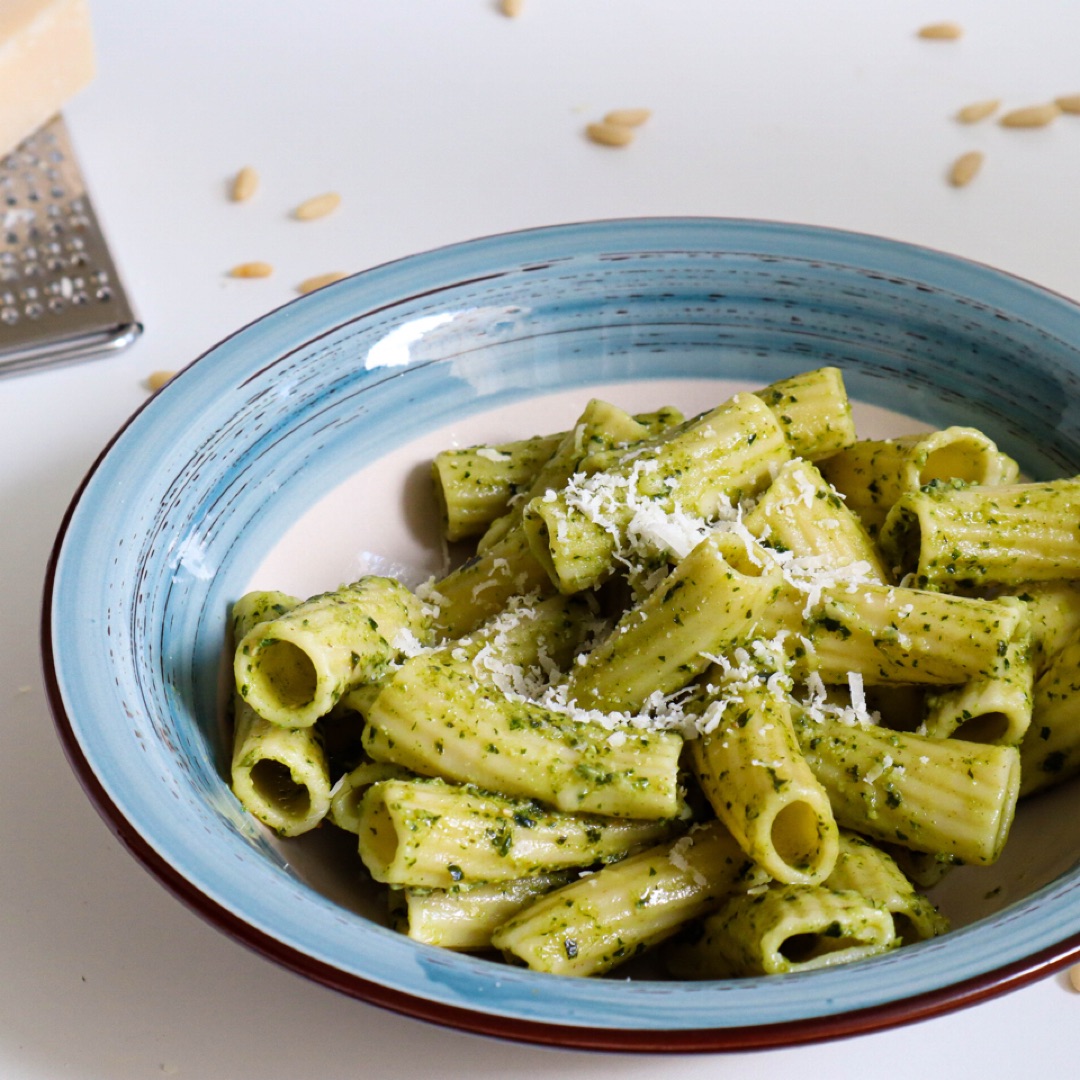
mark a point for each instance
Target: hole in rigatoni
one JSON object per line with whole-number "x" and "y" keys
{"x": 802, "y": 842}
{"x": 964, "y": 459}
{"x": 274, "y": 784}
{"x": 959, "y": 453}
{"x": 742, "y": 556}
{"x": 811, "y": 949}
{"x": 800, "y": 948}
{"x": 284, "y": 674}
{"x": 992, "y": 728}
{"x": 907, "y": 929}
{"x": 378, "y": 832}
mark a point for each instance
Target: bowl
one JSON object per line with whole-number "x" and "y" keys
{"x": 294, "y": 454}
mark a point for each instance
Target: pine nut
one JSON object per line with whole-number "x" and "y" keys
{"x": 251, "y": 270}
{"x": 1031, "y": 116}
{"x": 943, "y": 31}
{"x": 317, "y": 282}
{"x": 610, "y": 134}
{"x": 628, "y": 117}
{"x": 1074, "y": 976}
{"x": 244, "y": 184}
{"x": 511, "y": 8}
{"x": 978, "y": 110}
{"x": 158, "y": 379}
{"x": 317, "y": 207}
{"x": 1070, "y": 103}
{"x": 965, "y": 168}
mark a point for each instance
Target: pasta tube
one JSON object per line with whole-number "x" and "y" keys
{"x": 727, "y": 593}
{"x": 600, "y": 427}
{"x": 604, "y": 919}
{"x": 1054, "y": 616}
{"x": 977, "y": 536}
{"x": 293, "y": 669}
{"x": 942, "y": 796}
{"x": 579, "y": 533}
{"x": 346, "y": 794}
{"x": 504, "y": 565}
{"x": 465, "y": 918}
{"x": 782, "y": 929}
{"x": 483, "y": 586}
{"x": 444, "y": 714}
{"x": 755, "y": 777}
{"x": 801, "y": 513}
{"x": 474, "y": 485}
{"x": 279, "y": 775}
{"x": 712, "y": 601}
{"x": 867, "y": 870}
{"x": 991, "y": 707}
{"x": 425, "y": 833}
{"x": 873, "y": 474}
{"x": 814, "y": 412}
{"x": 895, "y": 635}
{"x": 1050, "y": 752}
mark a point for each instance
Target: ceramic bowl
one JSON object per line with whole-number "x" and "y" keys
{"x": 295, "y": 452}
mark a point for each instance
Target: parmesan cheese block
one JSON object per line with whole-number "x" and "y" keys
{"x": 46, "y": 56}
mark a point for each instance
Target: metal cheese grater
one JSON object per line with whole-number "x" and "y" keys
{"x": 60, "y": 296}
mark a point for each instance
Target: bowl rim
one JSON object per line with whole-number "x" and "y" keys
{"x": 948, "y": 998}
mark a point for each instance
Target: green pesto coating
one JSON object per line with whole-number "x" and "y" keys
{"x": 294, "y": 668}
{"x": 704, "y": 606}
{"x": 607, "y": 918}
{"x": 601, "y": 428}
{"x": 874, "y": 474}
{"x": 942, "y": 796}
{"x": 890, "y": 634}
{"x": 430, "y": 834}
{"x": 436, "y": 717}
{"x": 864, "y": 868}
{"x": 814, "y": 412}
{"x": 725, "y": 454}
{"x": 965, "y": 537}
{"x": 801, "y": 513}
{"x": 991, "y": 707}
{"x": 445, "y": 713}
{"x": 280, "y": 775}
{"x": 1050, "y": 751}
{"x": 756, "y": 779}
{"x": 788, "y": 928}
{"x": 465, "y": 917}
{"x": 474, "y": 485}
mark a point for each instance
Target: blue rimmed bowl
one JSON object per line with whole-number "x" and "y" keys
{"x": 291, "y": 452}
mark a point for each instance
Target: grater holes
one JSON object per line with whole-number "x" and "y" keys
{"x": 52, "y": 286}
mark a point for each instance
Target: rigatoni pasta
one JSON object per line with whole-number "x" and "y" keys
{"x": 280, "y": 774}
{"x": 698, "y": 675}
{"x": 430, "y": 834}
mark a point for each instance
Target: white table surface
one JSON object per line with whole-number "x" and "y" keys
{"x": 438, "y": 121}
